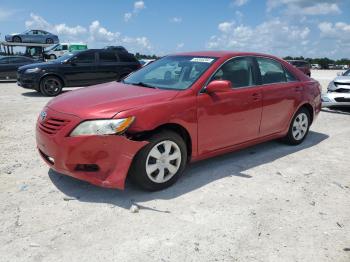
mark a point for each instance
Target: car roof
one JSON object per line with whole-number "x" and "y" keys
{"x": 220, "y": 54}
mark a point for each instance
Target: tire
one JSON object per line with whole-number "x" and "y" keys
{"x": 52, "y": 57}
{"x": 153, "y": 169}
{"x": 49, "y": 41}
{"x": 299, "y": 127}
{"x": 51, "y": 86}
{"x": 16, "y": 39}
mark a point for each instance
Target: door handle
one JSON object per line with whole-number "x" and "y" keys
{"x": 256, "y": 96}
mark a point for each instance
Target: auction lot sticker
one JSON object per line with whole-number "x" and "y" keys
{"x": 202, "y": 60}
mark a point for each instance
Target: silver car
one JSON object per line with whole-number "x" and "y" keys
{"x": 33, "y": 36}
{"x": 338, "y": 93}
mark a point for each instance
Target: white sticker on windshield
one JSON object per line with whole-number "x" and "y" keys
{"x": 202, "y": 60}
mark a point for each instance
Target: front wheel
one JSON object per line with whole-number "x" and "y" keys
{"x": 52, "y": 57}
{"x": 299, "y": 127}
{"x": 160, "y": 163}
{"x": 51, "y": 86}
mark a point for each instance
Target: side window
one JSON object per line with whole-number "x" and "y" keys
{"x": 85, "y": 58}
{"x": 238, "y": 71}
{"x": 271, "y": 71}
{"x": 64, "y": 47}
{"x": 290, "y": 77}
{"x": 106, "y": 57}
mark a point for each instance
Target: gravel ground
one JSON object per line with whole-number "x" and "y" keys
{"x": 270, "y": 202}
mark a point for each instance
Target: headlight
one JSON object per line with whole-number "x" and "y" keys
{"x": 331, "y": 86}
{"x": 32, "y": 70}
{"x": 103, "y": 127}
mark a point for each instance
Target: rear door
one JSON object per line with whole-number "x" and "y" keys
{"x": 281, "y": 92}
{"x": 81, "y": 70}
{"x": 107, "y": 69}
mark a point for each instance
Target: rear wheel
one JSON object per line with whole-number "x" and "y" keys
{"x": 51, "y": 86}
{"x": 299, "y": 127}
{"x": 52, "y": 57}
{"x": 160, "y": 163}
{"x": 17, "y": 39}
{"x": 49, "y": 41}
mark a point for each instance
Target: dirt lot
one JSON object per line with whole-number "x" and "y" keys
{"x": 270, "y": 202}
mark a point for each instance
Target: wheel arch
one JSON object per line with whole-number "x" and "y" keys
{"x": 53, "y": 74}
{"x": 175, "y": 127}
{"x": 309, "y": 108}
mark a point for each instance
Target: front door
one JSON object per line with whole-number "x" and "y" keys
{"x": 81, "y": 70}
{"x": 233, "y": 117}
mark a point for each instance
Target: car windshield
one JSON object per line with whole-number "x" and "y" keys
{"x": 171, "y": 72}
{"x": 65, "y": 57}
{"x": 51, "y": 47}
{"x": 347, "y": 73}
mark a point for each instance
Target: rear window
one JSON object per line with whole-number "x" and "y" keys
{"x": 126, "y": 57}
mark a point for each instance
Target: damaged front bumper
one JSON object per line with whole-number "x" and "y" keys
{"x": 100, "y": 160}
{"x": 336, "y": 99}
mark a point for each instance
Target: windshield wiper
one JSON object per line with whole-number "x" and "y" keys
{"x": 142, "y": 84}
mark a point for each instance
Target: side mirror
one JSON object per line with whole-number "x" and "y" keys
{"x": 218, "y": 86}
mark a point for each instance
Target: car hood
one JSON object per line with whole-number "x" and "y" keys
{"x": 106, "y": 100}
{"x": 38, "y": 65}
{"x": 342, "y": 79}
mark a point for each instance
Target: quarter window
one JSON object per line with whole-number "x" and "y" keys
{"x": 271, "y": 71}
{"x": 238, "y": 71}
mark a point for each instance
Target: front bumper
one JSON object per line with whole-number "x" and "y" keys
{"x": 111, "y": 156}
{"x": 335, "y": 99}
{"x": 30, "y": 81}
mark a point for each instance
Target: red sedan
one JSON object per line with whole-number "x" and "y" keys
{"x": 181, "y": 108}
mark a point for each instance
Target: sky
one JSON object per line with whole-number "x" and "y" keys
{"x": 309, "y": 28}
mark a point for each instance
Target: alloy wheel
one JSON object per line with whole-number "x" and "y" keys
{"x": 52, "y": 86}
{"x": 163, "y": 161}
{"x": 300, "y": 126}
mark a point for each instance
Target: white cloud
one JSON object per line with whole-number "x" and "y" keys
{"x": 37, "y": 22}
{"x": 339, "y": 30}
{"x": 305, "y": 7}
{"x": 176, "y": 20}
{"x": 138, "y": 6}
{"x": 127, "y": 16}
{"x": 180, "y": 46}
{"x": 240, "y": 2}
{"x": 225, "y": 26}
{"x": 274, "y": 36}
{"x": 95, "y": 35}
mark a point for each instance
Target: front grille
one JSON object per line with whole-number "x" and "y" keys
{"x": 342, "y": 90}
{"x": 342, "y": 99}
{"x": 52, "y": 125}
{"x": 341, "y": 84}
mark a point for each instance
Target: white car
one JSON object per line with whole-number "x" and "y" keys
{"x": 61, "y": 49}
{"x": 338, "y": 92}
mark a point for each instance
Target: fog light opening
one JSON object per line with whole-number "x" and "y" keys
{"x": 87, "y": 167}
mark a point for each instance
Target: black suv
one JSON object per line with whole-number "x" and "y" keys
{"x": 84, "y": 68}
